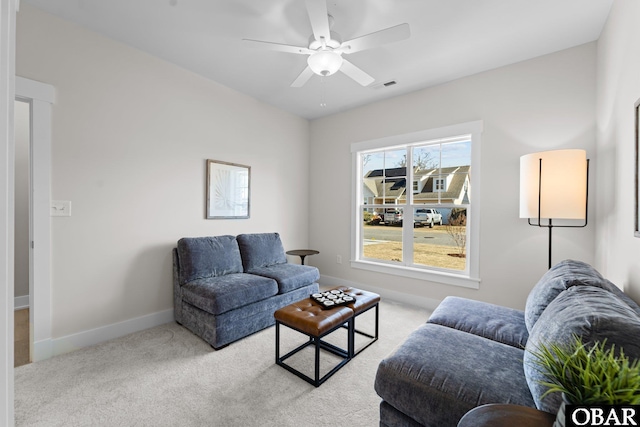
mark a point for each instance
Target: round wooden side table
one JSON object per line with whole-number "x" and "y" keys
{"x": 500, "y": 415}
{"x": 302, "y": 253}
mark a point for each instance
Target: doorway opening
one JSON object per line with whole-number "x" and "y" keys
{"x": 39, "y": 97}
{"x": 22, "y": 227}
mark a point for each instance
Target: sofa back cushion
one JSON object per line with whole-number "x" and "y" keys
{"x": 203, "y": 257}
{"x": 261, "y": 250}
{"x": 561, "y": 277}
{"x": 592, "y": 313}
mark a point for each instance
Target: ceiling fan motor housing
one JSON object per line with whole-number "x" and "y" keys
{"x": 324, "y": 61}
{"x": 334, "y": 42}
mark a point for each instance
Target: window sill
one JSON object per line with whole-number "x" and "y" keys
{"x": 418, "y": 273}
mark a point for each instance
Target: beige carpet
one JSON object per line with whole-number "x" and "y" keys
{"x": 166, "y": 376}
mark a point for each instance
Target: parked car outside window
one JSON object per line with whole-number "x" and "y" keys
{"x": 392, "y": 217}
{"x": 427, "y": 217}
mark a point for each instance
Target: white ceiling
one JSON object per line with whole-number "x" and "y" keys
{"x": 449, "y": 39}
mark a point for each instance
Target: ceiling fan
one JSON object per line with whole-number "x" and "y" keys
{"x": 326, "y": 47}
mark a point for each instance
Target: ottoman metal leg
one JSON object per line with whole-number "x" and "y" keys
{"x": 373, "y": 337}
{"x": 318, "y": 344}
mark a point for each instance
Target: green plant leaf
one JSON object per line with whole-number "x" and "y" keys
{"x": 589, "y": 374}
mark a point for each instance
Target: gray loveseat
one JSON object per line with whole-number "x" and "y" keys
{"x": 471, "y": 353}
{"x": 227, "y": 287}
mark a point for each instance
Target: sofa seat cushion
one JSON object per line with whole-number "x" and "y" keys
{"x": 561, "y": 277}
{"x": 202, "y": 257}
{"x": 261, "y": 250}
{"x": 497, "y": 323}
{"x": 594, "y": 314}
{"x": 289, "y": 276}
{"x": 217, "y": 295}
{"x": 440, "y": 373}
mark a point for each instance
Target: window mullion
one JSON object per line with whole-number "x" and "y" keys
{"x": 409, "y": 176}
{"x": 439, "y": 193}
{"x": 407, "y": 224}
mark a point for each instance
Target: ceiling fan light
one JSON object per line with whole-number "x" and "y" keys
{"x": 324, "y": 62}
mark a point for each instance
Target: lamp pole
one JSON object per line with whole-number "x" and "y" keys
{"x": 550, "y": 228}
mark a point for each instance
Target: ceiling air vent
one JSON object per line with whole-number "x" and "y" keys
{"x": 381, "y": 85}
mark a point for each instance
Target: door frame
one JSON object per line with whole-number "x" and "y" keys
{"x": 40, "y": 96}
{"x": 8, "y": 10}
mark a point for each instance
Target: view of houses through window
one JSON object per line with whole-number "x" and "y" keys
{"x": 426, "y": 226}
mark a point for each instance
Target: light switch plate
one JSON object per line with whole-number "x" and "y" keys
{"x": 60, "y": 208}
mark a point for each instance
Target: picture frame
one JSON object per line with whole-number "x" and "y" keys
{"x": 636, "y": 109}
{"x": 228, "y": 190}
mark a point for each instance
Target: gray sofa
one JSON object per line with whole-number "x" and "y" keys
{"x": 227, "y": 287}
{"x": 471, "y": 353}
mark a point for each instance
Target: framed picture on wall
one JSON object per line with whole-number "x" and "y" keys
{"x": 227, "y": 190}
{"x": 637, "y": 168}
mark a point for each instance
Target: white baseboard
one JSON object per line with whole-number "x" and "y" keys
{"x": 428, "y": 303}
{"x": 21, "y": 302}
{"x": 45, "y": 349}
{"x": 41, "y": 350}
{"x": 53, "y": 347}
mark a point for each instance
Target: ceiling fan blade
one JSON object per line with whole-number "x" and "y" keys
{"x": 389, "y": 35}
{"x": 319, "y": 17}
{"x": 277, "y": 47}
{"x": 304, "y": 76}
{"x": 356, "y": 73}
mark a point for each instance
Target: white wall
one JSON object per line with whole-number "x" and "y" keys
{"x": 21, "y": 244}
{"x": 617, "y": 252}
{"x": 540, "y": 104}
{"x": 131, "y": 134}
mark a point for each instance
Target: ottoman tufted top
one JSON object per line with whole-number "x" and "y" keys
{"x": 308, "y": 317}
{"x": 364, "y": 299}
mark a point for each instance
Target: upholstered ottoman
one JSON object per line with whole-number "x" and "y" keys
{"x": 310, "y": 319}
{"x": 364, "y": 301}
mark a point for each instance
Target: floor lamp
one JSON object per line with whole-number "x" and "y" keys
{"x": 554, "y": 185}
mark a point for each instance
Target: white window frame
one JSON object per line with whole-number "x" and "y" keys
{"x": 470, "y": 278}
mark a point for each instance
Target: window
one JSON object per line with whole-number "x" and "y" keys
{"x": 428, "y": 231}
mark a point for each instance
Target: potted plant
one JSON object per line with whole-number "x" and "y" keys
{"x": 588, "y": 374}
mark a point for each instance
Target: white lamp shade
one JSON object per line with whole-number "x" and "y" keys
{"x": 324, "y": 62}
{"x": 562, "y": 189}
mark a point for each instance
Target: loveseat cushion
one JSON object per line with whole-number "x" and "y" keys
{"x": 203, "y": 257}
{"x": 440, "y": 373}
{"x": 497, "y": 323}
{"x": 217, "y": 295}
{"x": 592, "y": 313}
{"x": 561, "y": 277}
{"x": 261, "y": 250}
{"x": 289, "y": 276}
